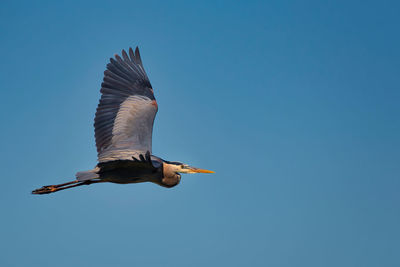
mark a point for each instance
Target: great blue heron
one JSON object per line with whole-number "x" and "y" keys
{"x": 123, "y": 128}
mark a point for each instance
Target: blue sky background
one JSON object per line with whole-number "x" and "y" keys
{"x": 294, "y": 104}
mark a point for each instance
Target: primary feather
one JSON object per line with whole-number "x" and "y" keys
{"x": 126, "y": 111}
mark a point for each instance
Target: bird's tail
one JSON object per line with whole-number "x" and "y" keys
{"x": 87, "y": 175}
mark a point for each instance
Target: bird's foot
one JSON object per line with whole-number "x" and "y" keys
{"x": 47, "y": 189}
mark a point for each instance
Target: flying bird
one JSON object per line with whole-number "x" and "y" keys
{"x": 123, "y": 128}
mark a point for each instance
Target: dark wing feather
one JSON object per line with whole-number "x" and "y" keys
{"x": 126, "y": 111}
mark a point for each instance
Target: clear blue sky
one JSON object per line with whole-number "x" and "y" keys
{"x": 294, "y": 104}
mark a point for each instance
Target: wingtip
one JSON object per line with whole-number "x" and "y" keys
{"x": 117, "y": 57}
{"x": 131, "y": 54}
{"x": 137, "y": 56}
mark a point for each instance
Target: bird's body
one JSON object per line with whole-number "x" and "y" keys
{"x": 153, "y": 169}
{"x": 127, "y": 172}
{"x": 123, "y": 131}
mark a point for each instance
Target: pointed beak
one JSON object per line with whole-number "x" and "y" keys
{"x": 197, "y": 170}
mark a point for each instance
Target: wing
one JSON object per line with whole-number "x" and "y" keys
{"x": 124, "y": 118}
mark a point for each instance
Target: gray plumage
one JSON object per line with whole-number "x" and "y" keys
{"x": 127, "y": 104}
{"x": 123, "y": 131}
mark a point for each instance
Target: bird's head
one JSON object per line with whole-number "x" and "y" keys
{"x": 172, "y": 172}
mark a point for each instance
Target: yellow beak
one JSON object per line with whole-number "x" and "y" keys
{"x": 197, "y": 170}
{"x": 202, "y": 171}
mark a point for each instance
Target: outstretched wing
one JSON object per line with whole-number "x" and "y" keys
{"x": 125, "y": 115}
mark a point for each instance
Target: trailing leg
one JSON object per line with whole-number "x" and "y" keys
{"x": 47, "y": 189}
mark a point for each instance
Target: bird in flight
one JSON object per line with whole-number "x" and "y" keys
{"x": 123, "y": 128}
